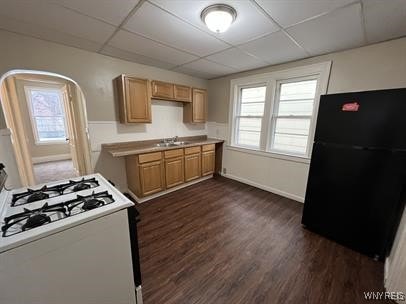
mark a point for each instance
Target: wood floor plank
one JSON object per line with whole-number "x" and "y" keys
{"x": 224, "y": 242}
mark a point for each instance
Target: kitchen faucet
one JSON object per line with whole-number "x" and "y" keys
{"x": 170, "y": 140}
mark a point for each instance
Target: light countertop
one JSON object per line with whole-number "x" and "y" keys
{"x": 139, "y": 147}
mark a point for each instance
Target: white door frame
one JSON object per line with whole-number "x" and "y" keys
{"x": 13, "y": 120}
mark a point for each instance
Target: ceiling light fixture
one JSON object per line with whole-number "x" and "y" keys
{"x": 218, "y": 17}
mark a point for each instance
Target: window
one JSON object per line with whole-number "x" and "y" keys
{"x": 249, "y": 118}
{"x": 292, "y": 116}
{"x": 47, "y": 114}
{"x": 275, "y": 112}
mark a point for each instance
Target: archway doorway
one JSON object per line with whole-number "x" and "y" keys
{"x": 46, "y": 115}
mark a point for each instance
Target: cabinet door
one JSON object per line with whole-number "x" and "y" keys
{"x": 151, "y": 177}
{"x": 162, "y": 90}
{"x": 192, "y": 166}
{"x": 137, "y": 100}
{"x": 134, "y": 97}
{"x": 199, "y": 105}
{"x": 196, "y": 111}
{"x": 174, "y": 172}
{"x": 182, "y": 93}
{"x": 208, "y": 161}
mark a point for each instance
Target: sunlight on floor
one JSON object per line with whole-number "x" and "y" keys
{"x": 53, "y": 171}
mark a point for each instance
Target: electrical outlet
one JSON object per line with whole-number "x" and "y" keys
{"x": 224, "y": 170}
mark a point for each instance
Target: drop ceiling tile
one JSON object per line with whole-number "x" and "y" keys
{"x": 250, "y": 22}
{"x": 152, "y": 22}
{"x": 204, "y": 68}
{"x": 384, "y": 19}
{"x": 289, "y": 12}
{"x": 52, "y": 16}
{"x": 48, "y": 34}
{"x": 274, "y": 48}
{"x": 110, "y": 11}
{"x": 339, "y": 30}
{"x": 237, "y": 59}
{"x": 129, "y": 56}
{"x": 136, "y": 44}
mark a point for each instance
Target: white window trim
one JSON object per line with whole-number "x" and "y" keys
{"x": 238, "y": 108}
{"x": 27, "y": 90}
{"x": 321, "y": 70}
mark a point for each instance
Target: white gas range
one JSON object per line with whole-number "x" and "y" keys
{"x": 71, "y": 241}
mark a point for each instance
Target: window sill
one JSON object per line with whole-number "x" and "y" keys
{"x": 292, "y": 158}
{"x": 49, "y": 143}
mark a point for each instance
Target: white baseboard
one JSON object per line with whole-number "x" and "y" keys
{"x": 49, "y": 158}
{"x": 140, "y": 200}
{"x": 266, "y": 188}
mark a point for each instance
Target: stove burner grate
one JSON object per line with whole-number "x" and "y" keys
{"x": 36, "y": 220}
{"x": 89, "y": 202}
{"x": 45, "y": 192}
{"x": 37, "y": 196}
{"x": 30, "y": 219}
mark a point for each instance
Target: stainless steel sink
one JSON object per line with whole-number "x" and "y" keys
{"x": 165, "y": 144}
{"x": 180, "y": 143}
{"x": 172, "y": 144}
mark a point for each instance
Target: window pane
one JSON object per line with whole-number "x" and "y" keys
{"x": 298, "y": 90}
{"x": 249, "y": 131}
{"x": 48, "y": 115}
{"x": 253, "y": 109}
{"x": 256, "y": 94}
{"x": 252, "y": 101}
{"x": 295, "y": 99}
{"x": 296, "y": 107}
{"x": 290, "y": 143}
{"x": 46, "y": 103}
{"x": 50, "y": 128}
{"x": 293, "y": 125}
{"x": 291, "y": 134}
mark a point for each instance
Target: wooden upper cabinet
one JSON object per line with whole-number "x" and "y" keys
{"x": 134, "y": 99}
{"x": 196, "y": 111}
{"x": 182, "y": 93}
{"x": 162, "y": 90}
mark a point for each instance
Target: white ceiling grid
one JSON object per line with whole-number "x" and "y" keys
{"x": 169, "y": 33}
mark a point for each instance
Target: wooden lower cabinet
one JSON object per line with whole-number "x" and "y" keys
{"x": 145, "y": 174}
{"x": 174, "y": 171}
{"x": 154, "y": 172}
{"x": 193, "y": 168}
{"x": 151, "y": 177}
{"x": 208, "y": 162}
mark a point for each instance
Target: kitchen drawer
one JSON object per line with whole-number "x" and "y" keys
{"x": 192, "y": 150}
{"x": 208, "y": 147}
{"x": 173, "y": 153}
{"x": 144, "y": 158}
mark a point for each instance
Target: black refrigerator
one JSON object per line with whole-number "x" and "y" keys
{"x": 356, "y": 187}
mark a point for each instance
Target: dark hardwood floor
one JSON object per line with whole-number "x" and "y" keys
{"x": 224, "y": 242}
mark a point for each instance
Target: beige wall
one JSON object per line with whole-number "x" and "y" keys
{"x": 95, "y": 73}
{"x": 36, "y": 150}
{"x": 378, "y": 66}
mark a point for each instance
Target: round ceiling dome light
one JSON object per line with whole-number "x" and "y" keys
{"x": 218, "y": 17}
